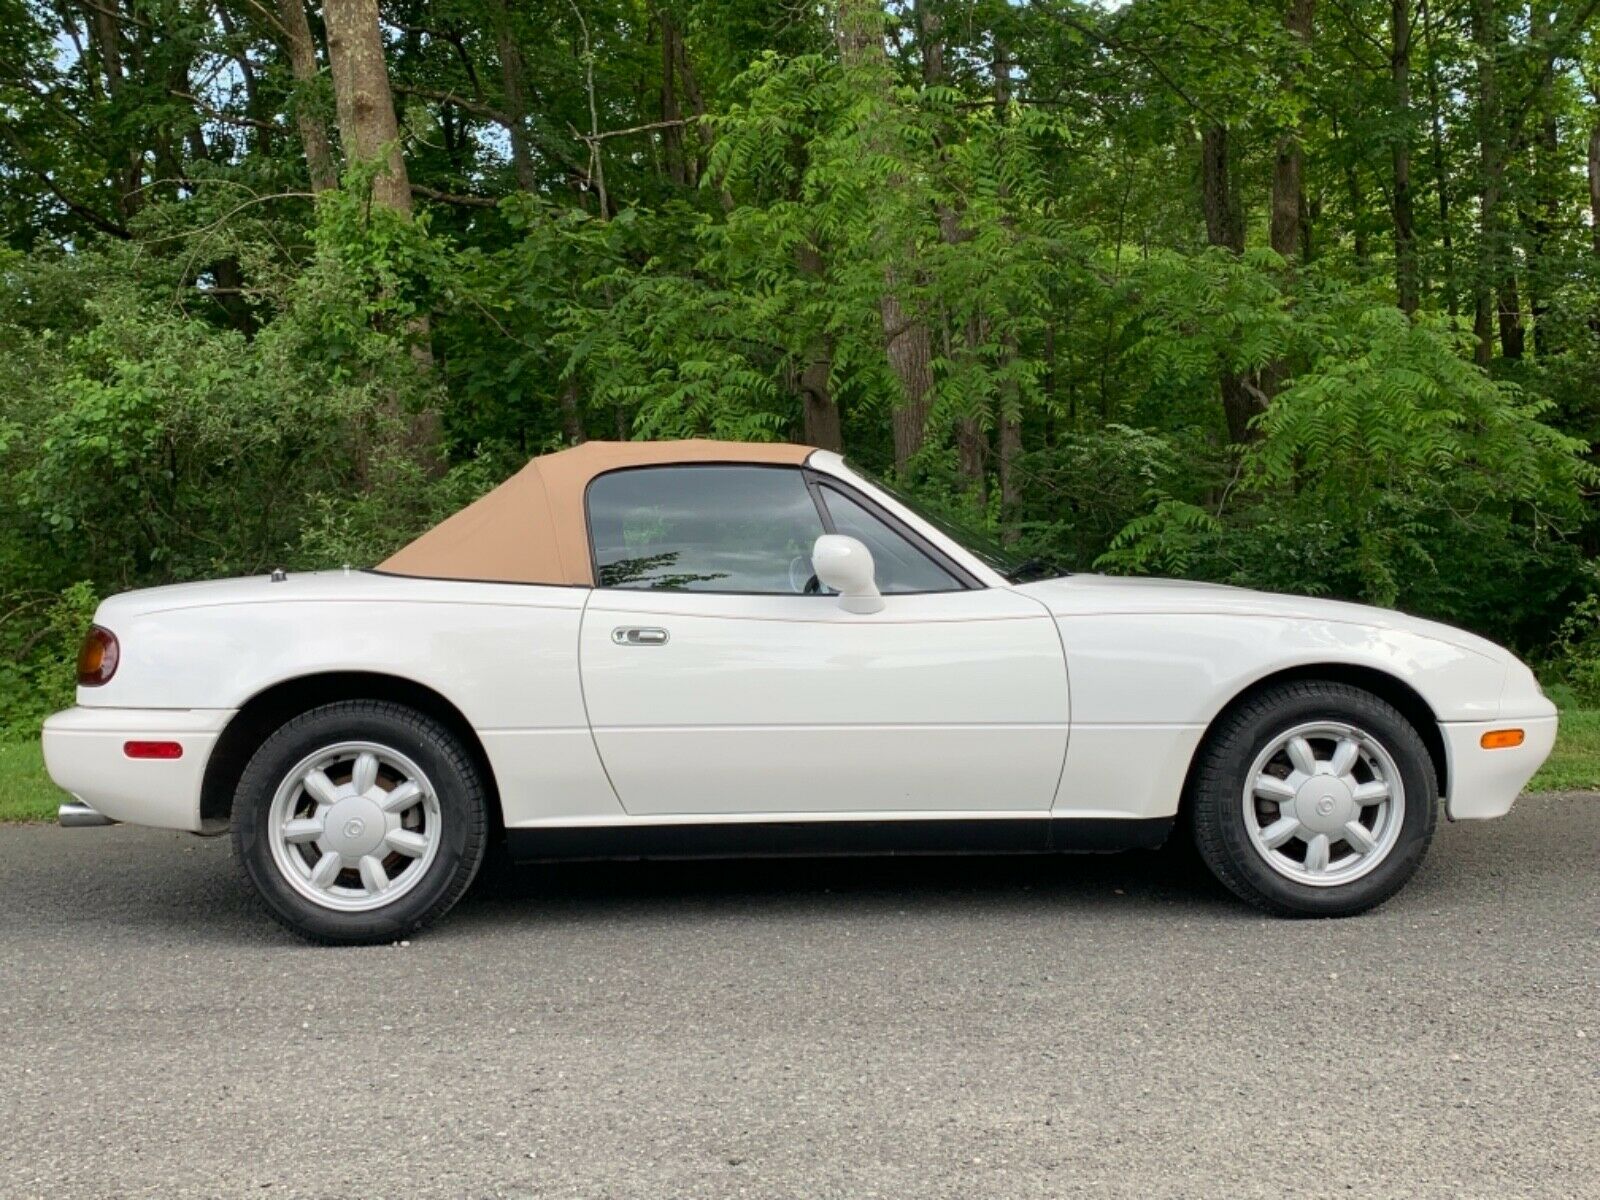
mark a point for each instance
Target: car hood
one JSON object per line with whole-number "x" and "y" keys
{"x": 1088, "y": 595}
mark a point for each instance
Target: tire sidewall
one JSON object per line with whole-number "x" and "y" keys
{"x": 1219, "y": 819}
{"x": 440, "y": 757}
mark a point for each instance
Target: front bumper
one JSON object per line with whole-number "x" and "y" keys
{"x": 1485, "y": 783}
{"x": 83, "y": 751}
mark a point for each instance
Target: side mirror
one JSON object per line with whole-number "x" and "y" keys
{"x": 845, "y": 565}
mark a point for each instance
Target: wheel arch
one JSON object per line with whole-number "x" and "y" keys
{"x": 269, "y": 708}
{"x": 1390, "y": 688}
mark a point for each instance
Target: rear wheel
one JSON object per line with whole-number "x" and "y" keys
{"x": 1314, "y": 799}
{"x": 360, "y": 822}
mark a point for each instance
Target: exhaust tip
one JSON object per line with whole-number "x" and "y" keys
{"x": 75, "y": 814}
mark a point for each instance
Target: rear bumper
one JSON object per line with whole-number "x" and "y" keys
{"x": 83, "y": 751}
{"x": 1485, "y": 783}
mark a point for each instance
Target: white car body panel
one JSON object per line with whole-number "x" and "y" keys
{"x": 505, "y": 655}
{"x": 1078, "y": 698}
{"x": 952, "y": 701}
{"x": 1153, "y": 662}
{"x": 83, "y": 751}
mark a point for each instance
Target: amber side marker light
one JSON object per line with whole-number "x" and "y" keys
{"x": 97, "y": 657}
{"x": 152, "y": 749}
{"x": 1501, "y": 739}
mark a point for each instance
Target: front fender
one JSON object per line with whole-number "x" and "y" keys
{"x": 1147, "y": 686}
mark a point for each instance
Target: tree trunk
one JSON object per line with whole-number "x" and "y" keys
{"x": 1288, "y": 172}
{"x": 1288, "y": 169}
{"x": 907, "y": 342}
{"x": 106, "y": 38}
{"x": 1509, "y": 313}
{"x": 367, "y": 124}
{"x": 262, "y": 128}
{"x": 696, "y": 163}
{"x": 1594, "y": 184}
{"x": 513, "y": 75}
{"x": 1224, "y": 217}
{"x": 972, "y": 450}
{"x": 1441, "y": 177}
{"x": 369, "y": 133}
{"x": 302, "y": 53}
{"x": 1361, "y": 251}
{"x": 671, "y": 111}
{"x": 571, "y": 414}
{"x": 1225, "y": 228}
{"x": 972, "y": 457}
{"x": 1009, "y": 434}
{"x": 1546, "y": 200}
{"x": 1010, "y": 451}
{"x": 930, "y": 40}
{"x": 1495, "y": 286}
{"x": 910, "y": 351}
{"x": 819, "y": 410}
{"x": 1407, "y": 289}
{"x": 1546, "y": 215}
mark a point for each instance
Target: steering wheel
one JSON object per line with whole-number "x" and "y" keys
{"x": 802, "y": 580}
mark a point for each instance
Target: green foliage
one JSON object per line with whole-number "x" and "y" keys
{"x": 1575, "y": 655}
{"x": 205, "y": 369}
{"x": 40, "y": 633}
{"x": 1379, "y": 473}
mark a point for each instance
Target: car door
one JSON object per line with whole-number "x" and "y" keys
{"x": 720, "y": 680}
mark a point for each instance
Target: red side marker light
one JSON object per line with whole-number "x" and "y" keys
{"x": 153, "y": 749}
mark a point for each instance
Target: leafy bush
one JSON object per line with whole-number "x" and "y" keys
{"x": 40, "y": 634}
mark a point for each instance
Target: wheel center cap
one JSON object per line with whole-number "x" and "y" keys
{"x": 1324, "y": 804}
{"x": 354, "y": 826}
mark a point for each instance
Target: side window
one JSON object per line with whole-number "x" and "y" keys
{"x": 703, "y": 529}
{"x": 901, "y": 567}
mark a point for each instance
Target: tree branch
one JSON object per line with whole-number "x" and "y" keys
{"x": 205, "y": 110}
{"x": 103, "y": 224}
{"x": 1149, "y": 60}
{"x": 611, "y": 133}
{"x": 461, "y": 102}
{"x": 463, "y": 198}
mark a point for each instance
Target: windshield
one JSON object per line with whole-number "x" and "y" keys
{"x": 976, "y": 541}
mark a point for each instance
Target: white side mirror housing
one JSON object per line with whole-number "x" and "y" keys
{"x": 845, "y": 565}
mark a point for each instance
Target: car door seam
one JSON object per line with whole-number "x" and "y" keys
{"x": 1066, "y": 671}
{"x": 583, "y": 697}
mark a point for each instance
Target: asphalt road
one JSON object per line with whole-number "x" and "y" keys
{"x": 1109, "y": 1027}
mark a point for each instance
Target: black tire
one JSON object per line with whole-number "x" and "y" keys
{"x": 1217, "y": 799}
{"x": 463, "y": 811}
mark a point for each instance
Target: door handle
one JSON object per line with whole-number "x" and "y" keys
{"x": 639, "y": 635}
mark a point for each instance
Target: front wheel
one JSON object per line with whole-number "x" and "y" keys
{"x": 360, "y": 822}
{"x": 1314, "y": 799}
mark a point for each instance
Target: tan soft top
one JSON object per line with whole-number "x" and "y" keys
{"x": 532, "y": 528}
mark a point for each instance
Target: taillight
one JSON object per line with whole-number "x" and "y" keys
{"x": 97, "y": 660}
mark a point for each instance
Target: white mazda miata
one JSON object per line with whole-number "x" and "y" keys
{"x": 701, "y": 648}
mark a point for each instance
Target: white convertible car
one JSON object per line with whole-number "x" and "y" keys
{"x": 700, "y": 648}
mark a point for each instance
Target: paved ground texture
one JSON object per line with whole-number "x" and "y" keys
{"x": 900, "y": 1028}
